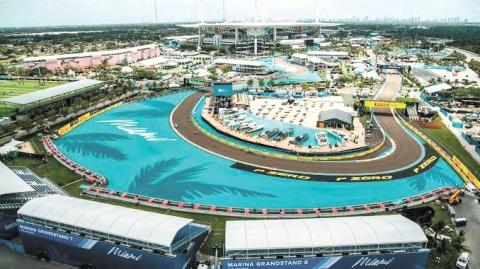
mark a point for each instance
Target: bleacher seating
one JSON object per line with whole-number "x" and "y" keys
{"x": 412, "y": 113}
{"x": 16, "y": 200}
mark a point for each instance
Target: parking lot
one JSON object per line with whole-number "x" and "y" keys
{"x": 470, "y": 208}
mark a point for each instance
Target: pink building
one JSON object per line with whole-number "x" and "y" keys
{"x": 92, "y": 59}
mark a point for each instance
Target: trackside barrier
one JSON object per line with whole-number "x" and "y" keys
{"x": 473, "y": 179}
{"x": 90, "y": 176}
{"x": 85, "y": 117}
{"x": 466, "y": 175}
{"x": 284, "y": 156}
{"x": 100, "y": 192}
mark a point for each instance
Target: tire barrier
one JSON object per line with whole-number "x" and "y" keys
{"x": 101, "y": 192}
{"x": 90, "y": 176}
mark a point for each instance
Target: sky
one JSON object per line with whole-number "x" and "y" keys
{"x": 22, "y": 13}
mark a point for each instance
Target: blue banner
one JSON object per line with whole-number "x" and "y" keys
{"x": 221, "y": 89}
{"x": 77, "y": 250}
{"x": 49, "y": 234}
{"x": 415, "y": 260}
{"x": 8, "y": 226}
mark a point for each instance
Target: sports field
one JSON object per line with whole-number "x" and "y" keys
{"x": 9, "y": 88}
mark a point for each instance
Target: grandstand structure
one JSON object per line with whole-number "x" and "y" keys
{"x": 11, "y": 182}
{"x": 93, "y": 59}
{"x": 51, "y": 97}
{"x": 41, "y": 187}
{"x": 340, "y": 242}
{"x": 96, "y": 234}
{"x": 18, "y": 185}
{"x": 254, "y": 36}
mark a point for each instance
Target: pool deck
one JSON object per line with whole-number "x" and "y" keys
{"x": 285, "y": 144}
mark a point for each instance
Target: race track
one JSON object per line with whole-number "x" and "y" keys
{"x": 407, "y": 151}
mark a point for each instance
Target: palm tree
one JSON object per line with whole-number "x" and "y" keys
{"x": 261, "y": 81}
{"x": 272, "y": 82}
{"x": 250, "y": 83}
{"x": 438, "y": 227}
{"x": 304, "y": 86}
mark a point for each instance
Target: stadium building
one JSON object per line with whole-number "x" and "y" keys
{"x": 390, "y": 241}
{"x": 58, "y": 96}
{"x": 96, "y": 235}
{"x": 92, "y": 59}
{"x": 255, "y": 36}
{"x": 18, "y": 185}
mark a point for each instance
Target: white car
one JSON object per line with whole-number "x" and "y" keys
{"x": 462, "y": 261}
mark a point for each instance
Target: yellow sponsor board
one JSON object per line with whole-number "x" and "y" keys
{"x": 425, "y": 164}
{"x": 65, "y": 129}
{"x": 281, "y": 174}
{"x": 365, "y": 178}
{"x": 384, "y": 104}
{"x": 85, "y": 117}
{"x": 470, "y": 176}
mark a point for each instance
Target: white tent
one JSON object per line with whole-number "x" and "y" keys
{"x": 11, "y": 182}
{"x": 437, "y": 88}
{"x": 10, "y": 147}
{"x": 281, "y": 234}
{"x": 98, "y": 217}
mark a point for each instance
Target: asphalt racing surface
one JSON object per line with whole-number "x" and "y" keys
{"x": 407, "y": 151}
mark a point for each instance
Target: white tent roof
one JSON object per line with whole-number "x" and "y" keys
{"x": 321, "y": 232}
{"x": 259, "y": 24}
{"x": 10, "y": 147}
{"x": 104, "y": 218}
{"x": 31, "y": 97}
{"x": 238, "y": 62}
{"x": 327, "y": 53}
{"x": 300, "y": 55}
{"x": 437, "y": 88}
{"x": 11, "y": 182}
{"x": 335, "y": 113}
{"x": 152, "y": 62}
{"x": 88, "y": 54}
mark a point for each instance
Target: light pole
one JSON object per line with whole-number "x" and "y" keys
{"x": 215, "y": 262}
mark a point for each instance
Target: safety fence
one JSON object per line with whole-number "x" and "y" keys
{"x": 100, "y": 192}
{"x": 90, "y": 176}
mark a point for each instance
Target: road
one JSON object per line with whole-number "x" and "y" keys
{"x": 470, "y": 55}
{"x": 470, "y": 208}
{"x": 406, "y": 152}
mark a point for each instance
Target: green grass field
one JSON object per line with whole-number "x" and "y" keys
{"x": 445, "y": 138}
{"x": 10, "y": 88}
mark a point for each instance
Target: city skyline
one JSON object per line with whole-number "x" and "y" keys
{"x": 92, "y": 12}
